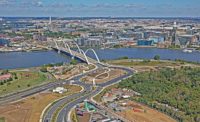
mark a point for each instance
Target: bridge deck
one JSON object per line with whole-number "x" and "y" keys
{"x": 78, "y": 55}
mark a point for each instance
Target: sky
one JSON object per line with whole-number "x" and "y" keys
{"x": 100, "y": 8}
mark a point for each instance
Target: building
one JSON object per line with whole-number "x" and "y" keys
{"x": 59, "y": 90}
{"x": 4, "y": 42}
{"x": 174, "y": 35}
{"x": 39, "y": 37}
{"x": 145, "y": 42}
{"x": 186, "y": 40}
{"x": 90, "y": 42}
{"x": 81, "y": 41}
{"x": 138, "y": 35}
{"x": 5, "y": 77}
{"x": 157, "y": 39}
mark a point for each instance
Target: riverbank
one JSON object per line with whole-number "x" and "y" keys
{"x": 22, "y": 50}
{"x": 14, "y": 60}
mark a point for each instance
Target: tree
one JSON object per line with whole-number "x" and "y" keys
{"x": 156, "y": 57}
{"x": 73, "y": 62}
{"x": 43, "y": 69}
{"x": 124, "y": 57}
{"x": 4, "y": 72}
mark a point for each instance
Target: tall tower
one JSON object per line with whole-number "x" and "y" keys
{"x": 175, "y": 25}
{"x": 174, "y": 36}
{"x": 50, "y": 20}
{"x": 50, "y": 24}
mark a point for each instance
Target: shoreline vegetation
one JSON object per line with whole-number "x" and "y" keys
{"x": 173, "y": 88}
{"x": 174, "y": 92}
{"x": 126, "y": 61}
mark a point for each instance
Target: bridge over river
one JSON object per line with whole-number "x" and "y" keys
{"x": 80, "y": 54}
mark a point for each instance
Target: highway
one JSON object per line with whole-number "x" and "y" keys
{"x": 70, "y": 101}
{"x": 52, "y": 109}
{"x": 25, "y": 93}
{"x": 37, "y": 89}
{"x": 48, "y": 116}
{"x": 65, "y": 111}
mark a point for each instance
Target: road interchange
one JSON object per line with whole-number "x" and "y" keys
{"x": 69, "y": 102}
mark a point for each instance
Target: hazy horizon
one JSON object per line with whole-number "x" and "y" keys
{"x": 103, "y": 8}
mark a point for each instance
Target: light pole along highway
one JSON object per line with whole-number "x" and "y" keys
{"x": 61, "y": 109}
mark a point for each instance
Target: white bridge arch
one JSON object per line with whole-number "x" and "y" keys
{"x": 86, "y": 58}
{"x": 67, "y": 46}
{"x": 79, "y": 49}
{"x": 90, "y": 49}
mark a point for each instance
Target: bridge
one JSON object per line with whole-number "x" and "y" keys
{"x": 62, "y": 45}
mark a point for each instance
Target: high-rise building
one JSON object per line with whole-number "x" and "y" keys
{"x": 174, "y": 35}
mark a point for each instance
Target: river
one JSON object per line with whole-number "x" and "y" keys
{"x": 14, "y": 60}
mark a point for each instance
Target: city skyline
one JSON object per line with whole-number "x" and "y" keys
{"x": 103, "y": 8}
{"x": 92, "y": 61}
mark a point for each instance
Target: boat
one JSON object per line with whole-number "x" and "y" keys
{"x": 187, "y": 50}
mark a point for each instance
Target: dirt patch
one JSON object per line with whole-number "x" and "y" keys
{"x": 30, "y": 109}
{"x": 141, "y": 113}
{"x": 84, "y": 118}
{"x": 102, "y": 77}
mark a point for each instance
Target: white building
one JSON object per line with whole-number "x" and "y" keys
{"x": 59, "y": 90}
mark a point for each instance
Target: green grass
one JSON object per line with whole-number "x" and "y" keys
{"x": 129, "y": 62}
{"x": 2, "y": 119}
{"x": 25, "y": 80}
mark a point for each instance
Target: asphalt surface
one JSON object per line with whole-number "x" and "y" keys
{"x": 23, "y": 94}
{"x": 48, "y": 116}
{"x": 79, "y": 97}
{"x": 63, "y": 114}
{"x": 37, "y": 89}
{"x": 52, "y": 109}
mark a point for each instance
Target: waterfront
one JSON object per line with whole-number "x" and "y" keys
{"x": 148, "y": 53}
{"x": 14, "y": 60}
{"x": 31, "y": 59}
{"x": 4, "y": 42}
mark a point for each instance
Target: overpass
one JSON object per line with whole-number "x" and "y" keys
{"x": 80, "y": 54}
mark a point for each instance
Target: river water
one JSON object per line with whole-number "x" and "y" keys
{"x": 30, "y": 59}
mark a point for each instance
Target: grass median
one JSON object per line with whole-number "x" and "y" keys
{"x": 24, "y": 80}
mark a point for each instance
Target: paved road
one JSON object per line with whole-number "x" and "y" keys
{"x": 23, "y": 94}
{"x": 48, "y": 116}
{"x": 63, "y": 114}
{"x": 81, "y": 96}
{"x": 52, "y": 109}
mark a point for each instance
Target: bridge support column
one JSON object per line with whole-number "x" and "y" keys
{"x": 58, "y": 51}
{"x": 93, "y": 82}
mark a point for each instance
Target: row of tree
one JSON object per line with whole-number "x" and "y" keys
{"x": 177, "y": 88}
